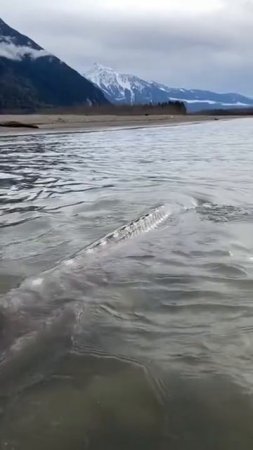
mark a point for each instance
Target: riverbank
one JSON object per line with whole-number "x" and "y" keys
{"x": 73, "y": 122}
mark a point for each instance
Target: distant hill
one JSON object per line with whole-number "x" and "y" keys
{"x": 30, "y": 77}
{"x": 129, "y": 89}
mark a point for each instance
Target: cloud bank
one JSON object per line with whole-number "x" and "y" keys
{"x": 182, "y": 43}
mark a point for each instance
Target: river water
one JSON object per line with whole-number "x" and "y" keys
{"x": 149, "y": 344}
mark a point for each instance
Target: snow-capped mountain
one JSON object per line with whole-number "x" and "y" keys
{"x": 125, "y": 88}
{"x": 121, "y": 88}
{"x": 31, "y": 77}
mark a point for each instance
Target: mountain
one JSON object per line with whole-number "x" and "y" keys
{"x": 125, "y": 88}
{"x": 30, "y": 77}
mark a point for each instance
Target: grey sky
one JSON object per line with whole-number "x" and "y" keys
{"x": 183, "y": 43}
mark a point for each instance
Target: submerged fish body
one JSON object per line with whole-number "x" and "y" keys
{"x": 143, "y": 224}
{"x": 56, "y": 279}
{"x": 32, "y": 309}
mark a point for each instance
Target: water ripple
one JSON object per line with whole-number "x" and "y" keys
{"x": 177, "y": 300}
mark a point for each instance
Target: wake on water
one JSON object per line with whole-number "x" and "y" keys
{"x": 40, "y": 306}
{"x": 45, "y": 309}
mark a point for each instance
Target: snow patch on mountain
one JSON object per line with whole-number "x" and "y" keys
{"x": 119, "y": 88}
{"x": 210, "y": 102}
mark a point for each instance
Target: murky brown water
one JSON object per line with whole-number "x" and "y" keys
{"x": 146, "y": 344}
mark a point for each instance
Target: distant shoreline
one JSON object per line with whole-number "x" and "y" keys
{"x": 64, "y": 123}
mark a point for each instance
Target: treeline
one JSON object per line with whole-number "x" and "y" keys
{"x": 227, "y": 112}
{"x": 180, "y": 106}
{"x": 20, "y": 103}
{"x": 16, "y": 98}
{"x": 171, "y": 107}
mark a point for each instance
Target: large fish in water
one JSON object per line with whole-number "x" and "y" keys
{"x": 47, "y": 306}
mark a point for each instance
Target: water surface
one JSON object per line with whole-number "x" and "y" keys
{"x": 158, "y": 351}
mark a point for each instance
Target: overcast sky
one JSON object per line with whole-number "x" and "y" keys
{"x": 183, "y": 43}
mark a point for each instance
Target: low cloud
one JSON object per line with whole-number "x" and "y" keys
{"x": 18, "y": 52}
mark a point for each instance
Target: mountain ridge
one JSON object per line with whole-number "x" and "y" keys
{"x": 127, "y": 88}
{"x": 31, "y": 77}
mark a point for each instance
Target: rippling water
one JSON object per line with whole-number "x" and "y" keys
{"x": 145, "y": 344}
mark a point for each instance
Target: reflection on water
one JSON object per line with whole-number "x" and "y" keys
{"x": 147, "y": 344}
